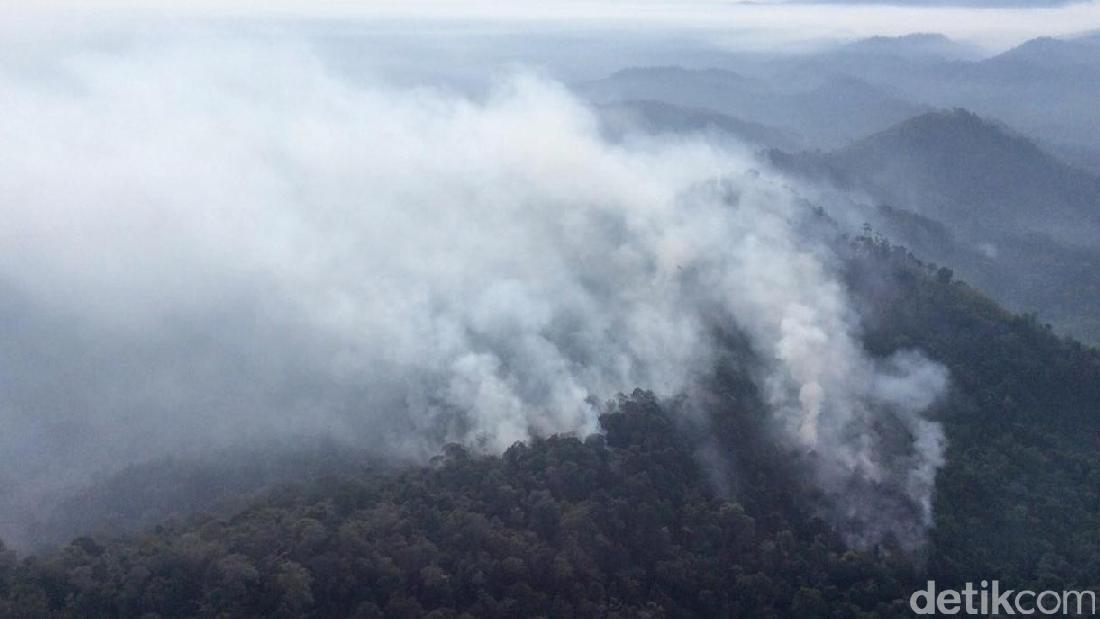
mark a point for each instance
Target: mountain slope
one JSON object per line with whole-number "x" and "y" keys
{"x": 1010, "y": 218}
{"x": 983, "y": 176}
{"x": 1047, "y": 87}
{"x": 1047, "y": 59}
{"x": 637, "y": 522}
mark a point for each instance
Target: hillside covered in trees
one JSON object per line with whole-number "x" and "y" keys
{"x": 751, "y": 310}
{"x": 1014, "y": 220}
{"x": 662, "y": 514}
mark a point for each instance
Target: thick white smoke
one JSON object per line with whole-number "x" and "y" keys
{"x": 211, "y": 243}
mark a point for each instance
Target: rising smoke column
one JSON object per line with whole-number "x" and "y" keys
{"x": 207, "y": 243}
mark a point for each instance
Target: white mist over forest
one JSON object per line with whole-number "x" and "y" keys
{"x": 213, "y": 242}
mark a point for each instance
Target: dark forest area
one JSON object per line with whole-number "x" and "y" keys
{"x": 652, "y": 517}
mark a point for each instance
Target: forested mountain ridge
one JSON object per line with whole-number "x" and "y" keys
{"x": 663, "y": 514}
{"x": 985, "y": 176}
{"x": 1018, "y": 497}
{"x": 959, "y": 189}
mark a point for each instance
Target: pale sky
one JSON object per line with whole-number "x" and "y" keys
{"x": 735, "y": 24}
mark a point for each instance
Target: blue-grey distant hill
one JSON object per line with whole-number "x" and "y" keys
{"x": 962, "y": 190}
{"x": 647, "y": 116}
{"x": 826, "y": 113}
{"x": 920, "y": 45}
{"x": 1048, "y": 88}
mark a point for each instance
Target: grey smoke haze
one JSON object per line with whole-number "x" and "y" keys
{"x": 213, "y": 243}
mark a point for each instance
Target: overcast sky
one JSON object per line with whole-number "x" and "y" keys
{"x": 762, "y": 24}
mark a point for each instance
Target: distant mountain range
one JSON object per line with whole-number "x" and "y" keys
{"x": 828, "y": 113}
{"x": 1008, "y": 193}
{"x": 1046, "y": 87}
{"x": 924, "y": 45}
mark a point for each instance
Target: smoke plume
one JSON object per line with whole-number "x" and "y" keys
{"x": 211, "y": 243}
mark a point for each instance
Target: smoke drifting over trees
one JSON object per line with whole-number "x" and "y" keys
{"x": 209, "y": 244}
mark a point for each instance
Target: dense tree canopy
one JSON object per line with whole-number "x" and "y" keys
{"x": 666, "y": 513}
